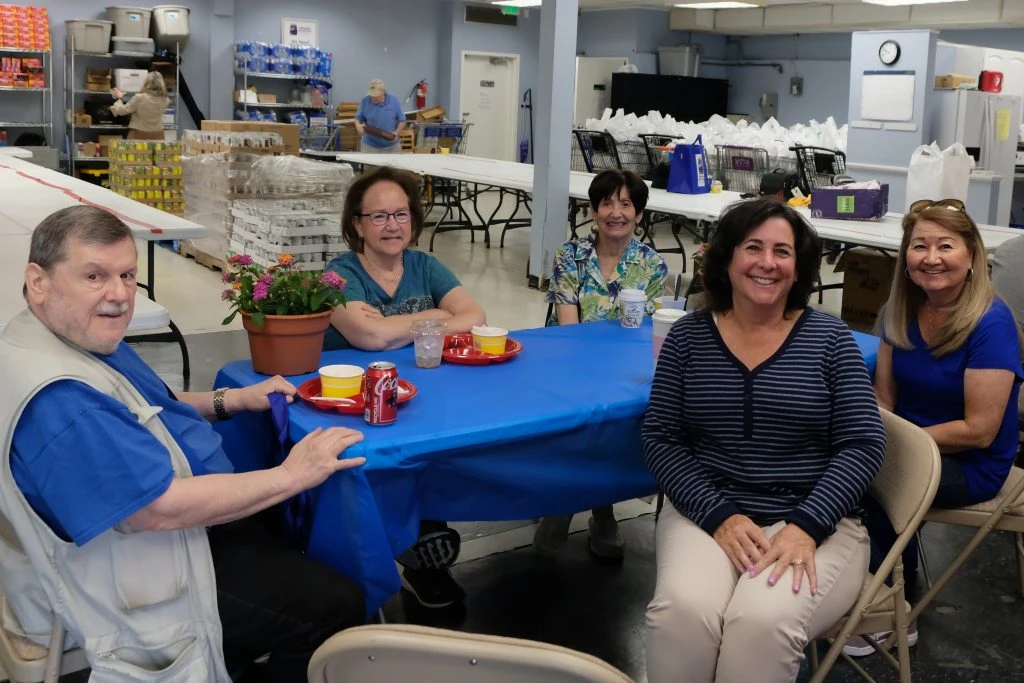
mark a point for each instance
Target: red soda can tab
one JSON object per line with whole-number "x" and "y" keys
{"x": 380, "y": 393}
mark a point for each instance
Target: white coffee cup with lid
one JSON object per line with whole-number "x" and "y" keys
{"x": 632, "y": 304}
{"x": 663, "y": 321}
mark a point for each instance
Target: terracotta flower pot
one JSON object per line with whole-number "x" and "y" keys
{"x": 286, "y": 344}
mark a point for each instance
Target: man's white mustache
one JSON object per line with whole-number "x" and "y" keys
{"x": 112, "y": 309}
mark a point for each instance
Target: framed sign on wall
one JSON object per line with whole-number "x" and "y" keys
{"x": 302, "y": 31}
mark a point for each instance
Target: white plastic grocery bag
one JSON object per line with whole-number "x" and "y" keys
{"x": 938, "y": 173}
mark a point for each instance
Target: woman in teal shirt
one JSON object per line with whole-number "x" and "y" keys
{"x": 588, "y": 275}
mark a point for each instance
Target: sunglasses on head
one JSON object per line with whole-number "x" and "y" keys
{"x": 952, "y": 204}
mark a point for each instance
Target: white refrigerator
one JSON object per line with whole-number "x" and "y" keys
{"x": 986, "y": 124}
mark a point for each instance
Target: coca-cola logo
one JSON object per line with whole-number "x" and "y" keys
{"x": 385, "y": 384}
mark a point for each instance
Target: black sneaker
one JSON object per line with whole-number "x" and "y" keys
{"x": 432, "y": 588}
{"x": 435, "y": 550}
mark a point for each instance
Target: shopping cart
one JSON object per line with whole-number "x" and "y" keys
{"x": 818, "y": 166}
{"x": 740, "y": 168}
{"x": 595, "y": 151}
{"x": 654, "y": 144}
{"x": 451, "y": 135}
{"x": 319, "y": 137}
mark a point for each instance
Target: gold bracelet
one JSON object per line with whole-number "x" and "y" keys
{"x": 218, "y": 404}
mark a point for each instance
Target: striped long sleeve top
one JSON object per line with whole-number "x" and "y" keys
{"x": 798, "y": 438}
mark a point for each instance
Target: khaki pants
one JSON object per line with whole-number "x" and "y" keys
{"x": 395, "y": 148}
{"x": 707, "y": 623}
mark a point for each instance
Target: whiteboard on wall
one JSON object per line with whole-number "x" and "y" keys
{"x": 887, "y": 96}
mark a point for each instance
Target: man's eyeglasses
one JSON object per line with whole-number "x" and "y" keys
{"x": 922, "y": 204}
{"x": 380, "y": 218}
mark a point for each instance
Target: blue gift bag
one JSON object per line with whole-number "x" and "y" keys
{"x": 689, "y": 171}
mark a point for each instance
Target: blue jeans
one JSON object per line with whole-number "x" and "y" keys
{"x": 953, "y": 492}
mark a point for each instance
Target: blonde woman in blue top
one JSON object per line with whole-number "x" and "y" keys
{"x": 588, "y": 275}
{"x": 950, "y": 362}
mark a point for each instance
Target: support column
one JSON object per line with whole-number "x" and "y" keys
{"x": 222, "y": 60}
{"x": 553, "y": 100}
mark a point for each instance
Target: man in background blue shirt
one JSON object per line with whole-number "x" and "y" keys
{"x": 379, "y": 120}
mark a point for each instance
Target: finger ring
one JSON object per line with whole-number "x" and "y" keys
{"x": 798, "y": 563}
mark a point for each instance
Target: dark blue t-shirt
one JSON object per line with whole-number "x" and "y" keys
{"x": 85, "y": 464}
{"x": 930, "y": 391}
{"x": 425, "y": 281}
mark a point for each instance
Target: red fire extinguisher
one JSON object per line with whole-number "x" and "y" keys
{"x": 421, "y": 94}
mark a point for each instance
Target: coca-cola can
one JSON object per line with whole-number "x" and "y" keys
{"x": 380, "y": 393}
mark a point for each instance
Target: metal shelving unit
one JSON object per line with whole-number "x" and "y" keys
{"x": 72, "y": 89}
{"x": 45, "y": 122}
{"x": 246, "y": 75}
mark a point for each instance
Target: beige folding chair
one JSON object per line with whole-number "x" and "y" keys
{"x": 904, "y": 487}
{"x": 378, "y": 652}
{"x": 24, "y": 660}
{"x": 1005, "y": 512}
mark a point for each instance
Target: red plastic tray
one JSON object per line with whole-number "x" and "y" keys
{"x": 458, "y": 348}
{"x": 309, "y": 391}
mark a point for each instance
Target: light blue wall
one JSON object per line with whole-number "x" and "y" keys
{"x": 394, "y": 40}
{"x": 522, "y": 40}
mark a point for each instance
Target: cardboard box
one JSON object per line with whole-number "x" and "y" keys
{"x": 867, "y": 277}
{"x": 82, "y": 119}
{"x": 289, "y": 132}
{"x": 430, "y": 114}
{"x": 849, "y": 202}
{"x": 106, "y": 142}
{"x": 954, "y": 81}
{"x": 97, "y": 80}
{"x": 266, "y": 98}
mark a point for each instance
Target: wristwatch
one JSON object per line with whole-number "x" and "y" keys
{"x": 218, "y": 404}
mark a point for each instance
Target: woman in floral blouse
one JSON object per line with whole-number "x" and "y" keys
{"x": 588, "y": 275}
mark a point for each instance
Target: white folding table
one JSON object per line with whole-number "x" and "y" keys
{"x": 882, "y": 234}
{"x": 32, "y": 192}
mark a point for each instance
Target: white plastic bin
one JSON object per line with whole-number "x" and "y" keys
{"x": 129, "y": 80}
{"x": 170, "y": 26}
{"x": 132, "y": 47}
{"x": 130, "y": 22}
{"x": 89, "y": 35}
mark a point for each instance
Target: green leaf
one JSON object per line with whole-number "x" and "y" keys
{"x": 316, "y": 302}
{"x": 227, "y": 320}
{"x": 258, "y": 318}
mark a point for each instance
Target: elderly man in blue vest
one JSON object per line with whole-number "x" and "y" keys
{"x": 379, "y": 120}
{"x": 132, "y": 527}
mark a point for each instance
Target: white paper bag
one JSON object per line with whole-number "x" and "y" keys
{"x": 938, "y": 173}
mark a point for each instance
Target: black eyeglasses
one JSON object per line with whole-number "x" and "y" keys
{"x": 922, "y": 204}
{"x": 380, "y": 218}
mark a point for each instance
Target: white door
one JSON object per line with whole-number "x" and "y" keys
{"x": 1011, "y": 64}
{"x": 490, "y": 103}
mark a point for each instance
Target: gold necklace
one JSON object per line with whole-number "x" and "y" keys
{"x": 386, "y": 275}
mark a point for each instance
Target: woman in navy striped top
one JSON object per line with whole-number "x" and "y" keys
{"x": 763, "y": 432}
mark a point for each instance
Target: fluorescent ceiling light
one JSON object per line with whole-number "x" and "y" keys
{"x": 517, "y": 3}
{"x": 721, "y": 4}
{"x": 903, "y": 3}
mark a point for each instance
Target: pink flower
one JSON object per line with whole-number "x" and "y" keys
{"x": 234, "y": 259}
{"x": 244, "y": 259}
{"x": 265, "y": 280}
{"x": 226, "y": 276}
{"x": 227, "y": 295}
{"x": 332, "y": 280}
{"x": 260, "y": 291}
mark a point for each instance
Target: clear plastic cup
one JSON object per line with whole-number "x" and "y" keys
{"x": 428, "y": 342}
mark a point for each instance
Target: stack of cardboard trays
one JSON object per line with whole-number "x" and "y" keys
{"x": 348, "y": 138}
{"x": 257, "y": 201}
{"x": 867, "y": 278}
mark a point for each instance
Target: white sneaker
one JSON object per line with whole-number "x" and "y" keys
{"x": 858, "y": 646}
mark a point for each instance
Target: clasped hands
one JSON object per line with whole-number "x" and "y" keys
{"x": 751, "y": 551}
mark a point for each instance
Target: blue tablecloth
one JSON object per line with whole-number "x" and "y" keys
{"x": 556, "y": 430}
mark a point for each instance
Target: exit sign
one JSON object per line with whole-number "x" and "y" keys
{"x": 510, "y": 10}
